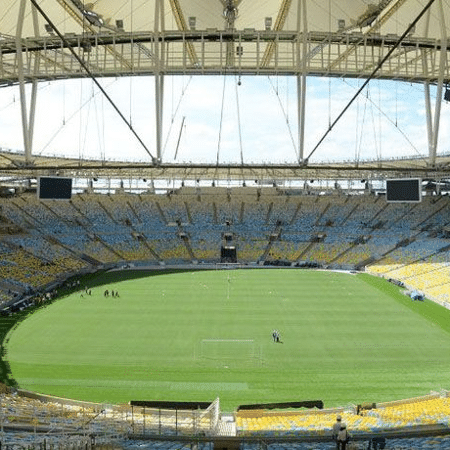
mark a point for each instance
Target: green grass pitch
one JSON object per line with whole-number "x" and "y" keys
{"x": 198, "y": 335}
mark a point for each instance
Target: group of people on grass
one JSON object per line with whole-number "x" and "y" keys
{"x": 106, "y": 293}
{"x": 113, "y": 293}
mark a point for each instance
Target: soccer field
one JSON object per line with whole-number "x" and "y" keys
{"x": 198, "y": 335}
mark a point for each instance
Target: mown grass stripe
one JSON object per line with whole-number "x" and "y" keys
{"x": 345, "y": 339}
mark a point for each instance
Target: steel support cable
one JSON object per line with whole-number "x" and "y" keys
{"x": 356, "y": 133}
{"x": 364, "y": 114}
{"x": 236, "y": 84}
{"x": 377, "y": 142}
{"x": 175, "y": 113}
{"x": 65, "y": 122}
{"x": 91, "y": 75}
{"x": 285, "y": 114}
{"x": 361, "y": 131}
{"x": 394, "y": 123}
{"x": 377, "y": 68}
{"x": 221, "y": 119}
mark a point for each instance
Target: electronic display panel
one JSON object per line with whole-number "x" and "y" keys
{"x": 54, "y": 188}
{"x": 408, "y": 190}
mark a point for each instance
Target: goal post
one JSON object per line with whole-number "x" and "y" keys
{"x": 230, "y": 352}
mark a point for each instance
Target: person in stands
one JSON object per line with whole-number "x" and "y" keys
{"x": 336, "y": 429}
{"x": 342, "y": 438}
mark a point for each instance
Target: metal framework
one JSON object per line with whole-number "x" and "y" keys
{"x": 15, "y": 167}
{"x": 99, "y": 49}
{"x": 416, "y": 59}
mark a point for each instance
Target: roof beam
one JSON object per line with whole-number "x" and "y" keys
{"x": 58, "y": 63}
{"x": 77, "y": 15}
{"x": 372, "y": 29}
{"x": 279, "y": 24}
{"x": 182, "y": 26}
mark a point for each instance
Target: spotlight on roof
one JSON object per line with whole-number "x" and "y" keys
{"x": 192, "y": 23}
{"x": 341, "y": 24}
{"x": 93, "y": 18}
{"x": 268, "y": 23}
{"x": 49, "y": 28}
{"x": 119, "y": 24}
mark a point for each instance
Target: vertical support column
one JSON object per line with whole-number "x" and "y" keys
{"x": 301, "y": 77}
{"x": 429, "y": 119}
{"x": 440, "y": 83}
{"x": 27, "y": 120}
{"x": 21, "y": 76}
{"x": 429, "y": 116}
{"x": 159, "y": 77}
{"x": 434, "y": 122}
{"x": 33, "y": 100}
{"x": 159, "y": 103}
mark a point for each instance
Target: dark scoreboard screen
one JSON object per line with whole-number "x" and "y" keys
{"x": 407, "y": 190}
{"x": 54, "y": 188}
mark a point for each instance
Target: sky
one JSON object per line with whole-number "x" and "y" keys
{"x": 225, "y": 119}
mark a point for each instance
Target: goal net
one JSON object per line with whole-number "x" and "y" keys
{"x": 230, "y": 352}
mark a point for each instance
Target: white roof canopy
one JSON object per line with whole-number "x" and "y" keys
{"x": 326, "y": 37}
{"x": 368, "y": 39}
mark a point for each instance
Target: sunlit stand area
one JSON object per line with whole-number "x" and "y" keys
{"x": 45, "y": 243}
{"x": 35, "y": 421}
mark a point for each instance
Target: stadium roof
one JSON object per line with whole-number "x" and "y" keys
{"x": 14, "y": 165}
{"x": 60, "y": 39}
{"x": 115, "y": 37}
